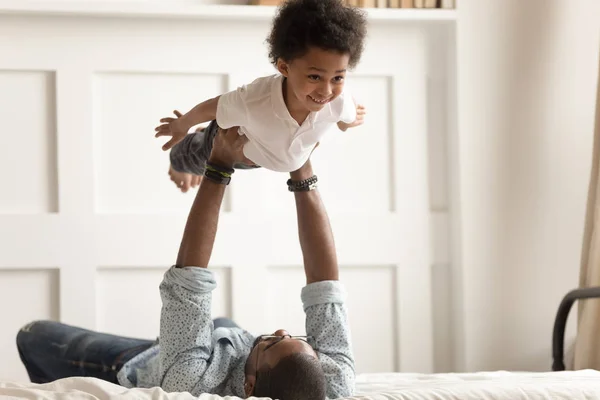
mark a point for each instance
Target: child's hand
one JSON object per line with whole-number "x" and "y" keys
{"x": 360, "y": 119}
{"x": 172, "y": 127}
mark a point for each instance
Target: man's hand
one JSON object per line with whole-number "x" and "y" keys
{"x": 360, "y": 119}
{"x": 228, "y": 148}
{"x": 172, "y": 127}
{"x": 183, "y": 180}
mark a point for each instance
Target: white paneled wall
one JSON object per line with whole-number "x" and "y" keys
{"x": 28, "y": 173}
{"x": 115, "y": 304}
{"x": 372, "y": 320}
{"x": 121, "y": 142}
{"x": 89, "y": 221}
{"x": 25, "y": 294}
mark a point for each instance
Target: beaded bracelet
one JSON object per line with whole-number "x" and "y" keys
{"x": 304, "y": 185}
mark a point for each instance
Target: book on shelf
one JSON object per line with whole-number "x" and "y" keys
{"x": 266, "y": 2}
{"x": 425, "y": 3}
{"x": 367, "y": 3}
{"x": 448, "y": 4}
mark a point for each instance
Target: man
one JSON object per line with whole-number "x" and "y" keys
{"x": 197, "y": 355}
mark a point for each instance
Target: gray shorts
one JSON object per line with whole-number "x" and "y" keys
{"x": 190, "y": 155}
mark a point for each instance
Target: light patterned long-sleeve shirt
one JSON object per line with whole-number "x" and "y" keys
{"x": 194, "y": 357}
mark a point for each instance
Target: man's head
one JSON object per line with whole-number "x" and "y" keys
{"x": 313, "y": 43}
{"x": 285, "y": 368}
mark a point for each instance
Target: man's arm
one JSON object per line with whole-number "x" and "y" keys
{"x": 314, "y": 230}
{"x": 186, "y": 290}
{"x": 323, "y": 296}
{"x": 201, "y": 227}
{"x": 186, "y": 294}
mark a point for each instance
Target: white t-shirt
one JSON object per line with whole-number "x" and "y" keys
{"x": 275, "y": 140}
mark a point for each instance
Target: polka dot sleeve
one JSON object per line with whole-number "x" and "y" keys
{"x": 327, "y": 322}
{"x": 185, "y": 327}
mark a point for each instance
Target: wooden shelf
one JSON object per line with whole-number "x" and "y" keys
{"x": 189, "y": 9}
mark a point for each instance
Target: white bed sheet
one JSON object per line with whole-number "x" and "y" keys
{"x": 571, "y": 385}
{"x": 578, "y": 385}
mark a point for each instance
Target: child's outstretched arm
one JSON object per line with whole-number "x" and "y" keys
{"x": 360, "y": 119}
{"x": 178, "y": 127}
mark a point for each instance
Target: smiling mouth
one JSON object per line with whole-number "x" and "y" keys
{"x": 319, "y": 101}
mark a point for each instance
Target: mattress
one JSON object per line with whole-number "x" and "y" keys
{"x": 572, "y": 385}
{"x": 578, "y": 385}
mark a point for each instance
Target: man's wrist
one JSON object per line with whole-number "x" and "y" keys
{"x": 305, "y": 185}
{"x": 220, "y": 161}
{"x": 218, "y": 173}
{"x": 303, "y": 173}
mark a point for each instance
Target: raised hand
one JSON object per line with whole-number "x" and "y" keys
{"x": 361, "y": 111}
{"x": 171, "y": 127}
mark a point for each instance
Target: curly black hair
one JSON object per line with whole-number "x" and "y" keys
{"x": 326, "y": 24}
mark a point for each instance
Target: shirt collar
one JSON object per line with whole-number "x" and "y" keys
{"x": 277, "y": 101}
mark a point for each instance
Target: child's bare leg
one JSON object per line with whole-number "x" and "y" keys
{"x": 187, "y": 162}
{"x": 184, "y": 180}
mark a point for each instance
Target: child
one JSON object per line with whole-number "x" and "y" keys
{"x": 312, "y": 44}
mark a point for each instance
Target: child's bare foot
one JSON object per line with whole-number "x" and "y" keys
{"x": 183, "y": 180}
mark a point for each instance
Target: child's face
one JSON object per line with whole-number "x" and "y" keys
{"x": 315, "y": 79}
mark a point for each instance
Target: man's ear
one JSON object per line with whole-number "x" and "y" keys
{"x": 249, "y": 385}
{"x": 283, "y": 67}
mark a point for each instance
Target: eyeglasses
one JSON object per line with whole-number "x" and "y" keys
{"x": 273, "y": 340}
{"x": 276, "y": 339}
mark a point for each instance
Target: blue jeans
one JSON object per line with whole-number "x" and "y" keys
{"x": 51, "y": 350}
